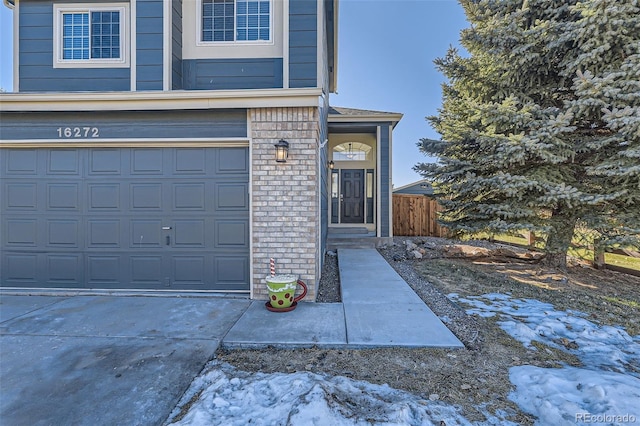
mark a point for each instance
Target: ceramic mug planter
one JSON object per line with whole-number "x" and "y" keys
{"x": 282, "y": 289}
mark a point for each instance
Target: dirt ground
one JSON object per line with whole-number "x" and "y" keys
{"x": 476, "y": 378}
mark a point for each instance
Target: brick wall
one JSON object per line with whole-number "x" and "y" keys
{"x": 285, "y": 196}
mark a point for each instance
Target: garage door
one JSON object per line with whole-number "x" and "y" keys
{"x": 125, "y": 218}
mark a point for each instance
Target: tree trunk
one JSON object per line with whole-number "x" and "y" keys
{"x": 563, "y": 223}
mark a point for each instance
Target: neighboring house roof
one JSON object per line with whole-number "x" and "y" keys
{"x": 421, "y": 187}
{"x": 347, "y": 115}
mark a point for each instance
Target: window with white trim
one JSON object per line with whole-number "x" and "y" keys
{"x": 236, "y": 20}
{"x": 352, "y": 151}
{"x": 90, "y": 35}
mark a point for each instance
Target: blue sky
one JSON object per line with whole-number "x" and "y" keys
{"x": 385, "y": 62}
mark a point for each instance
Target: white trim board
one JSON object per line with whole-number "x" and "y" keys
{"x": 157, "y": 101}
{"x": 127, "y": 143}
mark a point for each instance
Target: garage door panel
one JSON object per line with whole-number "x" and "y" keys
{"x": 105, "y": 162}
{"x": 189, "y": 196}
{"x": 231, "y": 196}
{"x": 63, "y": 162}
{"x": 146, "y": 233}
{"x": 20, "y": 233}
{"x": 63, "y": 233}
{"x": 232, "y": 161}
{"x": 231, "y": 271}
{"x": 231, "y": 233}
{"x": 190, "y": 161}
{"x": 147, "y": 271}
{"x": 104, "y": 233}
{"x": 64, "y": 270}
{"x": 147, "y": 161}
{"x": 104, "y": 270}
{"x": 20, "y": 196}
{"x": 20, "y": 269}
{"x": 104, "y": 197}
{"x": 20, "y": 162}
{"x": 145, "y": 197}
{"x": 63, "y": 196}
{"x": 190, "y": 271}
{"x": 189, "y": 233}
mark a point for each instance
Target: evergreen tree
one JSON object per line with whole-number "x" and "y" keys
{"x": 540, "y": 123}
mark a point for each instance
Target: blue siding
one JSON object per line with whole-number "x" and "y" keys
{"x": 126, "y": 124}
{"x": 217, "y": 74}
{"x": 149, "y": 43}
{"x": 303, "y": 43}
{"x": 36, "y": 72}
{"x": 385, "y": 181}
{"x": 176, "y": 45}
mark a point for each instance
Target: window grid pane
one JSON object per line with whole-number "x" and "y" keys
{"x": 253, "y": 20}
{"x": 75, "y": 35}
{"x": 105, "y": 35}
{"x": 236, "y": 20}
{"x": 217, "y": 20}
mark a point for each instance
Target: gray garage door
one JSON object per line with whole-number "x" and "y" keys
{"x": 125, "y": 218}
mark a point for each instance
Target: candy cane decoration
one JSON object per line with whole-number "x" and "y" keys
{"x": 272, "y": 267}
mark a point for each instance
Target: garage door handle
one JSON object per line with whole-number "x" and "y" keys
{"x": 166, "y": 228}
{"x": 168, "y": 240}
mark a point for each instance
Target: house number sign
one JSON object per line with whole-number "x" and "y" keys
{"x": 78, "y": 132}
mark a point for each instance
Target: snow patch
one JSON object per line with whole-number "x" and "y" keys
{"x": 233, "y": 397}
{"x": 526, "y": 320}
{"x": 605, "y": 391}
{"x": 565, "y": 396}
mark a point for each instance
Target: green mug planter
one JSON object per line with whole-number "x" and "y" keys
{"x": 282, "y": 289}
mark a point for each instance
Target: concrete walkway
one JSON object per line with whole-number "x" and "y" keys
{"x": 378, "y": 309}
{"x": 382, "y": 310}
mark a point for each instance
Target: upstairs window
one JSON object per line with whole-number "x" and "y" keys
{"x": 236, "y": 20}
{"x": 88, "y": 35}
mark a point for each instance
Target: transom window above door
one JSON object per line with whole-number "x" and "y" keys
{"x": 352, "y": 151}
{"x": 87, "y": 35}
{"x": 236, "y": 20}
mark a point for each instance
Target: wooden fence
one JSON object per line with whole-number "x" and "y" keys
{"x": 416, "y": 215}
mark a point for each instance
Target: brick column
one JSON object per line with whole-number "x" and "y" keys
{"x": 285, "y": 196}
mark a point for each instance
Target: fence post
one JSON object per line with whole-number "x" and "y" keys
{"x": 598, "y": 254}
{"x": 531, "y": 239}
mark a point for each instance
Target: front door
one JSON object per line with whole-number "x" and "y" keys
{"x": 352, "y": 196}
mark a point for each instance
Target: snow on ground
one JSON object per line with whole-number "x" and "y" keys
{"x": 601, "y": 347}
{"x": 606, "y": 390}
{"x": 233, "y": 397}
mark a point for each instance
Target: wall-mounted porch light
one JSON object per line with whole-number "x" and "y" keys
{"x": 331, "y": 164}
{"x": 282, "y": 151}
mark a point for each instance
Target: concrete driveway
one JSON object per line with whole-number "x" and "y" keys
{"x": 104, "y": 360}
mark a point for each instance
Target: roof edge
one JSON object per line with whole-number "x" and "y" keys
{"x": 418, "y": 182}
{"x": 366, "y": 116}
